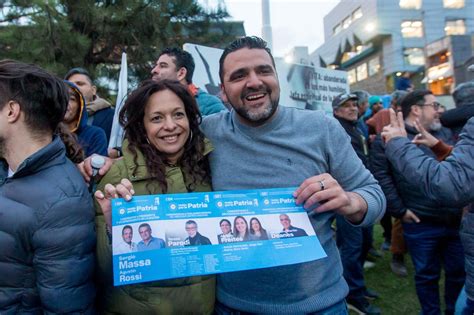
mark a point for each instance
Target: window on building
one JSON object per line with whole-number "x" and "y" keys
{"x": 337, "y": 29}
{"x": 453, "y": 4}
{"x": 351, "y": 76}
{"x": 412, "y": 29}
{"x": 410, "y": 4}
{"x": 362, "y": 72}
{"x": 357, "y": 14}
{"x": 455, "y": 27}
{"x": 414, "y": 56}
{"x": 374, "y": 66}
{"x": 347, "y": 21}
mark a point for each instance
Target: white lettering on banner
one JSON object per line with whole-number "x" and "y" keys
{"x": 190, "y": 205}
{"x": 282, "y": 235}
{"x": 124, "y": 278}
{"x": 134, "y": 264}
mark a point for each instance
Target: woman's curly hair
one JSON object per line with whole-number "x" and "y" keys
{"x": 74, "y": 150}
{"x": 193, "y": 162}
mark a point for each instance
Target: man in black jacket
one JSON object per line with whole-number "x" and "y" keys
{"x": 194, "y": 237}
{"x": 354, "y": 242}
{"x": 456, "y": 118}
{"x": 47, "y": 235}
{"x": 431, "y": 230}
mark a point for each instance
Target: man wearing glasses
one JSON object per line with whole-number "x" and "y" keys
{"x": 431, "y": 230}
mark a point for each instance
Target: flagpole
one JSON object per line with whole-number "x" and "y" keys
{"x": 116, "y": 135}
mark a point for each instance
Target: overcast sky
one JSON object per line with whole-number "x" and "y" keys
{"x": 294, "y": 22}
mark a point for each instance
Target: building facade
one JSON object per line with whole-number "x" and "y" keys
{"x": 376, "y": 41}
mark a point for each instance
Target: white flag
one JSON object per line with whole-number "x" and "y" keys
{"x": 116, "y": 135}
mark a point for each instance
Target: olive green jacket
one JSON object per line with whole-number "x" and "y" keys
{"x": 176, "y": 296}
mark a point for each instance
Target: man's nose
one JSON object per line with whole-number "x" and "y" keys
{"x": 254, "y": 80}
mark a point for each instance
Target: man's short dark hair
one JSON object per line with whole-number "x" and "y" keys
{"x": 183, "y": 59}
{"x": 250, "y": 42}
{"x": 191, "y": 222}
{"x": 42, "y": 96}
{"x": 127, "y": 227}
{"x": 79, "y": 70}
{"x": 464, "y": 94}
{"x": 144, "y": 225}
{"x": 416, "y": 97}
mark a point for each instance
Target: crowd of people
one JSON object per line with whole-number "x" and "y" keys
{"x": 57, "y": 242}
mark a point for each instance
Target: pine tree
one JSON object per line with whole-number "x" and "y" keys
{"x": 61, "y": 34}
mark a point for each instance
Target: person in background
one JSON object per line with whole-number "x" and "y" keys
{"x": 178, "y": 64}
{"x": 403, "y": 82}
{"x": 431, "y": 231}
{"x": 99, "y": 112}
{"x": 362, "y": 105}
{"x": 375, "y": 104}
{"x": 91, "y": 138}
{"x": 447, "y": 183}
{"x": 354, "y": 242}
{"x": 456, "y": 118}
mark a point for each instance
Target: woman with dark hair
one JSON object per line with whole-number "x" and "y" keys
{"x": 241, "y": 229}
{"x": 226, "y": 236}
{"x": 257, "y": 232}
{"x": 164, "y": 152}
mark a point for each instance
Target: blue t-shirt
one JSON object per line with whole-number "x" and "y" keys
{"x": 155, "y": 243}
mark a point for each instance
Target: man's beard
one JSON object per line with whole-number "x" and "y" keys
{"x": 261, "y": 116}
{"x": 436, "y": 125}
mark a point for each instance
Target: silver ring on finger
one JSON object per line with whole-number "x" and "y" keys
{"x": 321, "y": 185}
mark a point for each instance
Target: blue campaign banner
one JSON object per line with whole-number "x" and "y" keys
{"x": 159, "y": 237}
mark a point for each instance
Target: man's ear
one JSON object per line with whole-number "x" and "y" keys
{"x": 94, "y": 90}
{"x": 182, "y": 72}
{"x": 416, "y": 110}
{"x": 13, "y": 111}
{"x": 223, "y": 95}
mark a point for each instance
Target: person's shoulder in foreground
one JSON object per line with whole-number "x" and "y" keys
{"x": 56, "y": 230}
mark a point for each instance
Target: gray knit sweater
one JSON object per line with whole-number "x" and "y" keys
{"x": 294, "y": 145}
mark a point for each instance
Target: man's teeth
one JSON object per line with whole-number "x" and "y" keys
{"x": 255, "y": 97}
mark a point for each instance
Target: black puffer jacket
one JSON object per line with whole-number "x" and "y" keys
{"x": 402, "y": 194}
{"x": 457, "y": 117}
{"x": 447, "y": 183}
{"x": 47, "y": 237}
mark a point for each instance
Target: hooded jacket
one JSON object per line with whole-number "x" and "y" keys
{"x": 47, "y": 236}
{"x": 91, "y": 138}
{"x": 101, "y": 114}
